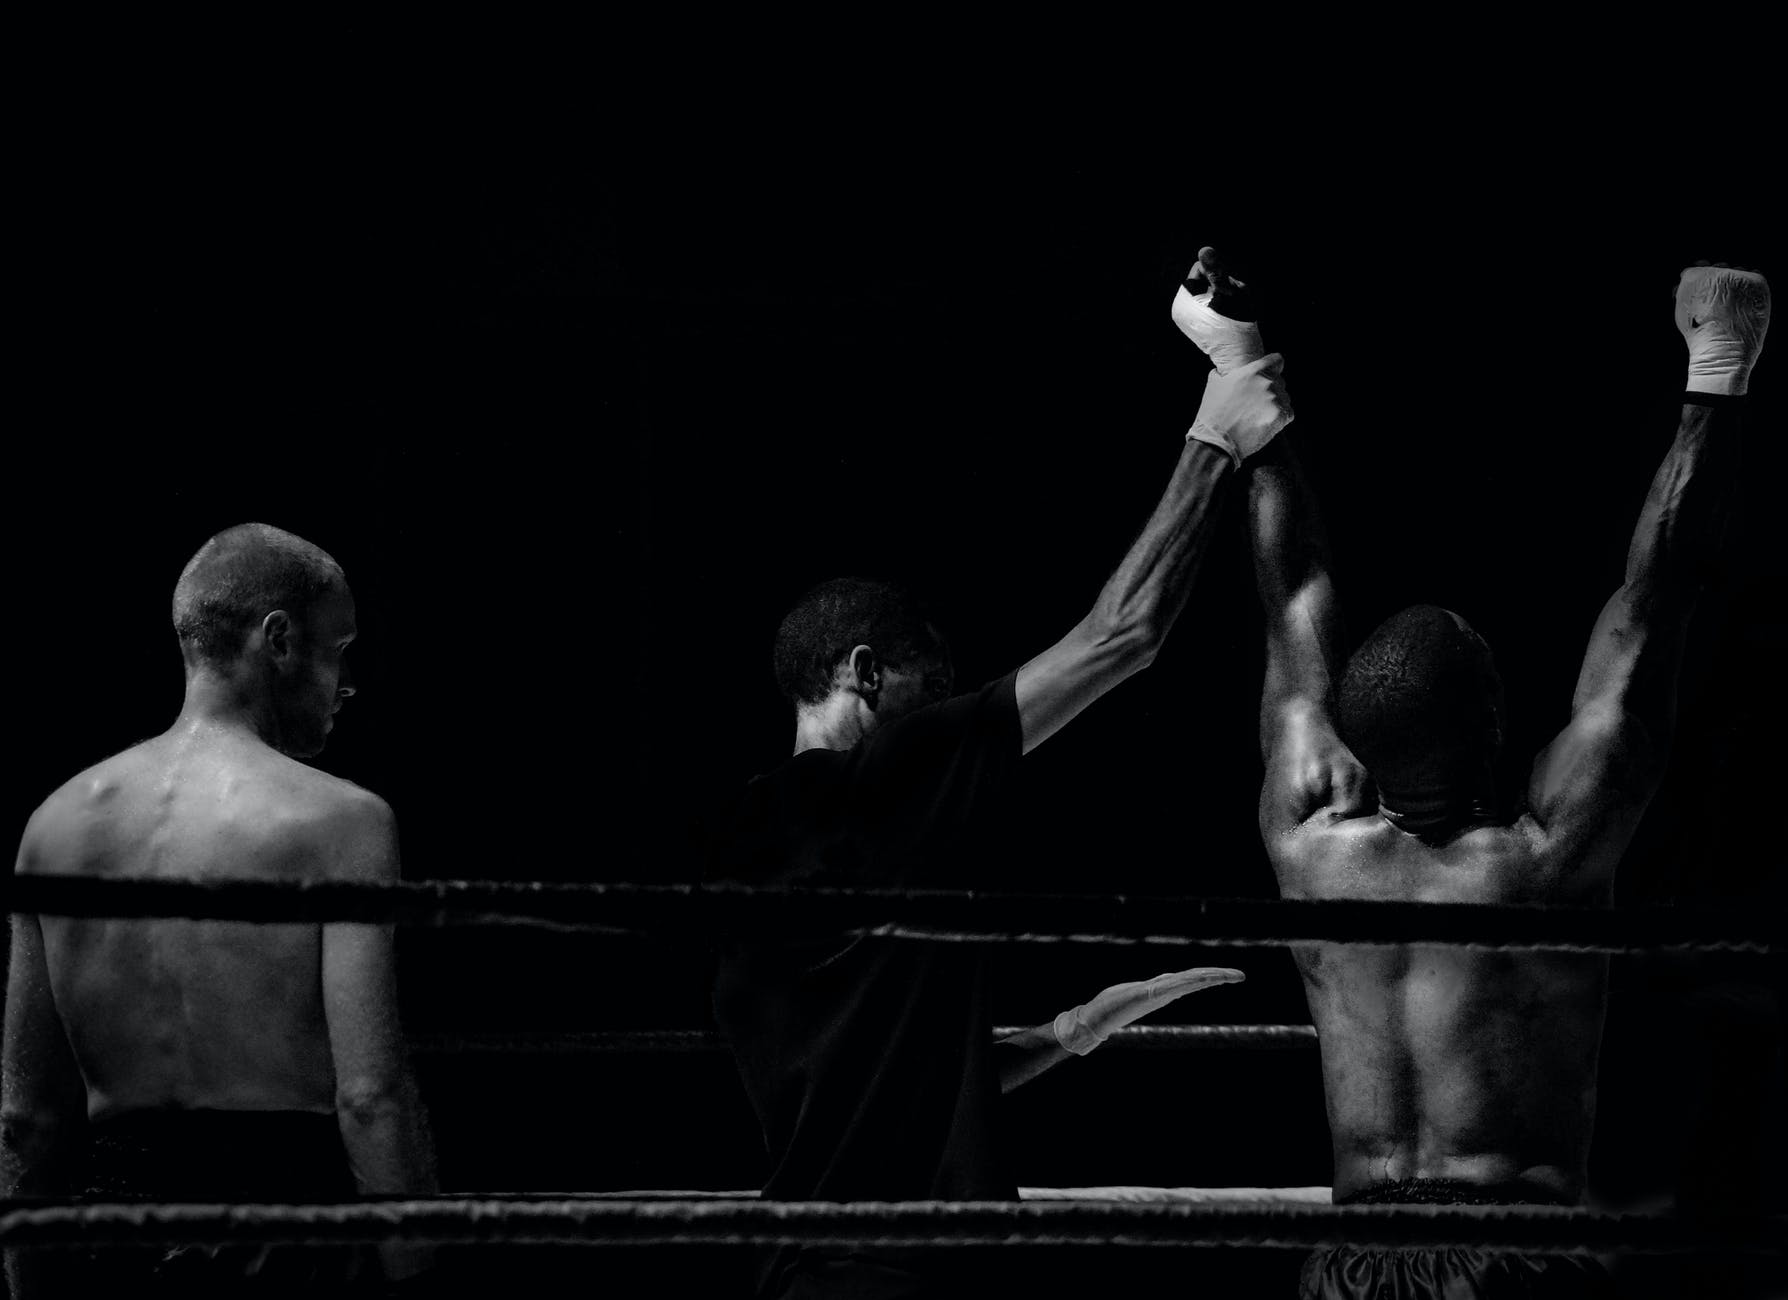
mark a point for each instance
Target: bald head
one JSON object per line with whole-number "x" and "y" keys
{"x": 238, "y": 578}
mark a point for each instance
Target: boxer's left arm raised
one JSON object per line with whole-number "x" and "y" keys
{"x": 1591, "y": 785}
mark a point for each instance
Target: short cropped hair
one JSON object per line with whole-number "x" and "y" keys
{"x": 1415, "y": 701}
{"x": 819, "y": 633}
{"x": 239, "y": 577}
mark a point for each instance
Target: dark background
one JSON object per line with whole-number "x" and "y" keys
{"x": 584, "y": 393}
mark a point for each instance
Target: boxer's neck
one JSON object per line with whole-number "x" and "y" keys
{"x": 228, "y": 699}
{"x": 1437, "y": 811}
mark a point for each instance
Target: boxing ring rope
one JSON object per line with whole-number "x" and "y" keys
{"x": 605, "y": 1042}
{"x": 1125, "y": 1195}
{"x": 520, "y": 1220}
{"x": 958, "y": 916}
{"x": 1286, "y": 1217}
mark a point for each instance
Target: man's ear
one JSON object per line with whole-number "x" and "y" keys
{"x": 863, "y": 673}
{"x": 276, "y": 633}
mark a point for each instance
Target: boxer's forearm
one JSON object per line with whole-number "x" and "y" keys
{"x": 1291, "y": 569}
{"x": 386, "y": 1136}
{"x": 1674, "y": 547}
{"x": 1685, "y": 513}
{"x": 41, "y": 1272}
{"x": 43, "y": 1097}
{"x": 387, "y": 1140}
{"x": 1026, "y": 1054}
{"x": 35, "y": 1160}
{"x": 36, "y": 1157}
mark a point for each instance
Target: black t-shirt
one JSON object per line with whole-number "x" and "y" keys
{"x": 867, "y": 1060}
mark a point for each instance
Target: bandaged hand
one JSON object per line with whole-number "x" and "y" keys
{"x": 1082, "y": 1028}
{"x": 1243, "y": 410}
{"x": 1229, "y": 343}
{"x": 1723, "y": 313}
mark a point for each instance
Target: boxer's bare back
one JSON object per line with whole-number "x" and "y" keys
{"x": 1446, "y": 1062}
{"x": 110, "y": 1017}
{"x": 206, "y": 1014}
{"x": 145, "y": 1023}
{"x": 1453, "y": 1063}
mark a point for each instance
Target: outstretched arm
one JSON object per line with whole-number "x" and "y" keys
{"x": 1591, "y": 785}
{"x": 1244, "y": 405}
{"x": 1308, "y": 769}
{"x": 1127, "y": 625}
{"x": 1021, "y": 1057}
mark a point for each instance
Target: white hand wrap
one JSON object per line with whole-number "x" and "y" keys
{"x": 1723, "y": 315}
{"x": 1075, "y": 1034}
{"x": 1243, "y": 410}
{"x": 1081, "y": 1029}
{"x": 1230, "y": 344}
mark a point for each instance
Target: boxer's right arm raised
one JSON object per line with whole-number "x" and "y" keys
{"x": 1590, "y": 786}
{"x": 1308, "y": 768}
{"x": 1140, "y": 601}
{"x": 378, "y": 1106}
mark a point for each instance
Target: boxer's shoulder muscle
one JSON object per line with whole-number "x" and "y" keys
{"x": 159, "y": 808}
{"x": 68, "y": 830}
{"x": 1329, "y": 856}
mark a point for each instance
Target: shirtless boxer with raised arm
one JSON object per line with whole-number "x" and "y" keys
{"x": 212, "y": 1060}
{"x": 1454, "y": 1074}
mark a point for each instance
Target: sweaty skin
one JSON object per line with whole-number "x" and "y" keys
{"x": 204, "y": 1014}
{"x": 1445, "y": 1062}
{"x": 113, "y": 1017}
{"x": 1448, "y": 1062}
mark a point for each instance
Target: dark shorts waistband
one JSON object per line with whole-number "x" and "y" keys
{"x": 229, "y": 1155}
{"x": 1453, "y": 1191}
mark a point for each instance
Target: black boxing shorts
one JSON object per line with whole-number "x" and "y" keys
{"x": 219, "y": 1157}
{"x": 1450, "y": 1272}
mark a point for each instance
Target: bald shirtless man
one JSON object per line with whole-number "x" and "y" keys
{"x": 1455, "y": 1075}
{"x": 216, "y": 1060}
